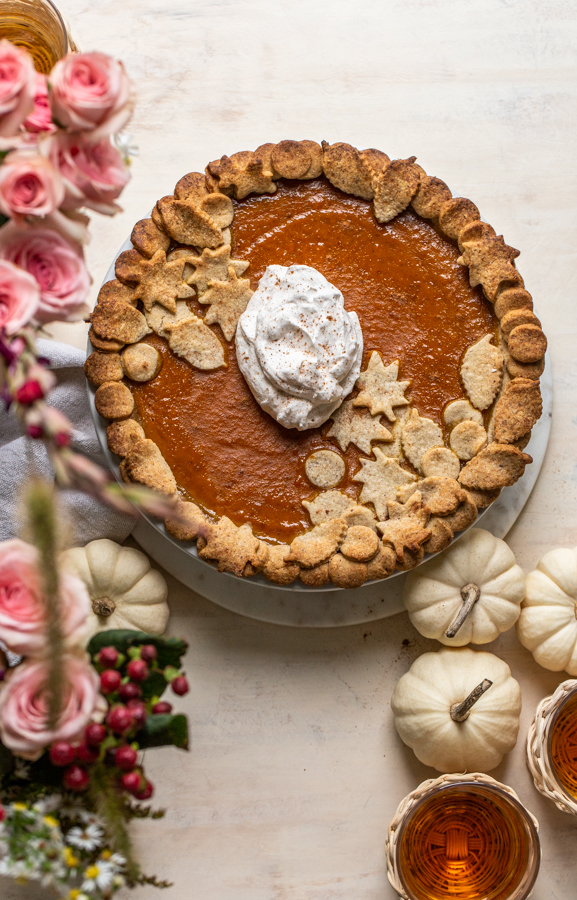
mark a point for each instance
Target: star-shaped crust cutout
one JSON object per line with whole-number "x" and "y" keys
{"x": 354, "y": 426}
{"x": 405, "y": 528}
{"x": 381, "y": 478}
{"x": 228, "y": 300}
{"x": 160, "y": 281}
{"x": 379, "y": 388}
{"x": 213, "y": 265}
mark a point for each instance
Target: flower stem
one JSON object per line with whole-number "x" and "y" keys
{"x": 41, "y": 516}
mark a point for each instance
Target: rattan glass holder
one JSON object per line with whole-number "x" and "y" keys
{"x": 523, "y": 884}
{"x": 539, "y": 747}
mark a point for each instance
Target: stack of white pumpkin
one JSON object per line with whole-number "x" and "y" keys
{"x": 458, "y": 708}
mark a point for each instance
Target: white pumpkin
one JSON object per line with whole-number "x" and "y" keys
{"x": 548, "y": 622}
{"x": 458, "y": 709}
{"x": 467, "y": 595}
{"x": 125, "y": 591}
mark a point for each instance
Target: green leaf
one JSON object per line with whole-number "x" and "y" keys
{"x": 170, "y": 649}
{"x": 163, "y": 730}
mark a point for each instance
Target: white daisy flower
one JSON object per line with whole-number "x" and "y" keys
{"x": 88, "y": 838}
{"x": 117, "y": 860}
{"x": 98, "y": 877}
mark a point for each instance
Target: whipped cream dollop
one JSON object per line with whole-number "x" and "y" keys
{"x": 297, "y": 346}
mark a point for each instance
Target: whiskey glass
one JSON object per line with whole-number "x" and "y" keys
{"x": 463, "y": 837}
{"x": 552, "y": 747}
{"x": 37, "y": 26}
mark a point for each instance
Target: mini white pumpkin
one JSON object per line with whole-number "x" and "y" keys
{"x": 548, "y": 622}
{"x": 467, "y": 595}
{"x": 125, "y": 591}
{"x": 458, "y": 709}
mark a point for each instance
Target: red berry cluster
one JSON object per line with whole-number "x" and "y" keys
{"x": 115, "y": 742}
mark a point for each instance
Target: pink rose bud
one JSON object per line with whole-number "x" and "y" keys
{"x": 19, "y": 297}
{"x": 29, "y": 186}
{"x": 17, "y": 86}
{"x": 91, "y": 92}
{"x": 24, "y": 705}
{"x": 40, "y": 119}
{"x": 94, "y": 173}
{"x": 22, "y": 607}
{"x": 57, "y": 267}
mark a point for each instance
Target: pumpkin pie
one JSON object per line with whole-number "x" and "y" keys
{"x": 432, "y": 423}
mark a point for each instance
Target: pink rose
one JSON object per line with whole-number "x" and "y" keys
{"x": 40, "y": 119}
{"x": 22, "y": 610}
{"x": 94, "y": 174}
{"x": 24, "y": 703}
{"x": 91, "y": 92}
{"x": 29, "y": 186}
{"x": 57, "y": 267}
{"x": 17, "y": 80}
{"x": 19, "y": 297}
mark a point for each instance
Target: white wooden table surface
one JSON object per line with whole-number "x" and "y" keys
{"x": 295, "y": 768}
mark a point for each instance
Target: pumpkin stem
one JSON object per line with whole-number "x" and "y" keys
{"x": 103, "y": 607}
{"x": 460, "y": 711}
{"x": 470, "y": 594}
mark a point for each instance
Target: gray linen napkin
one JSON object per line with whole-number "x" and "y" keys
{"x": 19, "y": 455}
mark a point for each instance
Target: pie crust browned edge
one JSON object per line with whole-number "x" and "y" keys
{"x": 344, "y": 549}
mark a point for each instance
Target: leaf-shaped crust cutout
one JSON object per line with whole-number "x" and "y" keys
{"x": 419, "y": 434}
{"x": 380, "y": 479}
{"x": 242, "y": 174}
{"x": 395, "y": 188}
{"x": 228, "y": 300}
{"x": 232, "y": 547}
{"x": 316, "y": 546}
{"x": 147, "y": 238}
{"x": 406, "y": 527}
{"x": 195, "y": 342}
{"x": 482, "y": 372}
{"x": 517, "y": 410}
{"x": 328, "y": 505}
{"x": 145, "y": 464}
{"x": 357, "y": 426}
{"x": 189, "y": 225}
{"x": 213, "y": 265}
{"x": 498, "y": 465}
{"x": 161, "y": 282}
{"x": 344, "y": 167}
{"x": 431, "y": 195}
{"x": 379, "y": 388}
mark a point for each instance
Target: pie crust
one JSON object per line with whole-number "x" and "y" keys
{"x": 410, "y": 503}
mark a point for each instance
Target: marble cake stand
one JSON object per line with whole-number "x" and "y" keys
{"x": 296, "y": 604}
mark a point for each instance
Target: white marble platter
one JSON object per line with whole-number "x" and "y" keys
{"x": 297, "y": 604}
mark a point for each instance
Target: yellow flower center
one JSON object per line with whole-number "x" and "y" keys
{"x": 19, "y": 807}
{"x": 74, "y": 893}
{"x": 92, "y": 871}
{"x": 71, "y": 860}
{"x": 51, "y": 821}
{"x": 106, "y": 854}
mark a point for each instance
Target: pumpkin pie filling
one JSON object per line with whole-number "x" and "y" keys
{"x": 414, "y": 303}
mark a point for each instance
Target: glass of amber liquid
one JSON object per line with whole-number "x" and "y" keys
{"x": 466, "y": 839}
{"x": 37, "y": 26}
{"x": 562, "y": 745}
